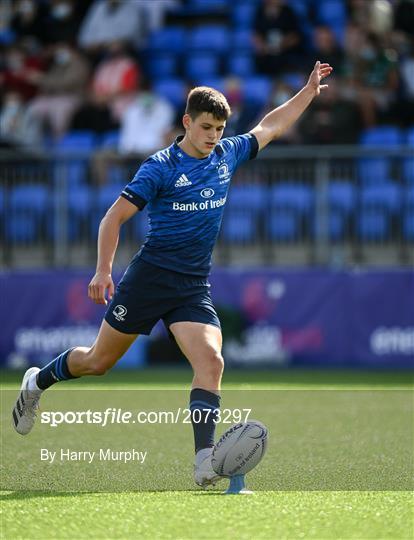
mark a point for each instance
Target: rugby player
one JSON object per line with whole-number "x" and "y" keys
{"x": 185, "y": 187}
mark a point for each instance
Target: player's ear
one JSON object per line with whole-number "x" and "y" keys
{"x": 186, "y": 121}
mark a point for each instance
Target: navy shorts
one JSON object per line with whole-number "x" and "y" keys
{"x": 148, "y": 293}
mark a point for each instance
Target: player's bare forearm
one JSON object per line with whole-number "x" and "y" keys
{"x": 275, "y": 123}
{"x": 108, "y": 238}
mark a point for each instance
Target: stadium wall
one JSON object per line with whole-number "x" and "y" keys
{"x": 273, "y": 317}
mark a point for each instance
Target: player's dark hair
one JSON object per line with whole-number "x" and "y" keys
{"x": 203, "y": 99}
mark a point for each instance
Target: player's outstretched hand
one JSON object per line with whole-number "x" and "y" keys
{"x": 98, "y": 286}
{"x": 320, "y": 71}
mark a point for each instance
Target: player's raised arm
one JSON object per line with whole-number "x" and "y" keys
{"x": 108, "y": 237}
{"x": 275, "y": 123}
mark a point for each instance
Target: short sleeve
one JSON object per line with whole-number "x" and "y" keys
{"x": 244, "y": 147}
{"x": 145, "y": 185}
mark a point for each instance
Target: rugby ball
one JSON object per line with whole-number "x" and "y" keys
{"x": 240, "y": 448}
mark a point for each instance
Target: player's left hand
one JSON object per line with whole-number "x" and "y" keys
{"x": 320, "y": 71}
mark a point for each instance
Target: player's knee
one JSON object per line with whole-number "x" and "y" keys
{"x": 98, "y": 369}
{"x": 215, "y": 365}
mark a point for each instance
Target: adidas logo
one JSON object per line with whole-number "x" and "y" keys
{"x": 183, "y": 181}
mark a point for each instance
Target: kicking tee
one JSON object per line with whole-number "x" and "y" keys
{"x": 186, "y": 198}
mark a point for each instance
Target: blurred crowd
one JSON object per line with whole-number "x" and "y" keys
{"x": 73, "y": 65}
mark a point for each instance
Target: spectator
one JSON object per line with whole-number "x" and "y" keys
{"x": 62, "y": 22}
{"x": 326, "y": 48}
{"x": 93, "y": 115}
{"x": 278, "y": 38}
{"x": 111, "y": 20}
{"x": 17, "y": 127}
{"x": 21, "y": 73}
{"x": 151, "y": 111}
{"x": 243, "y": 113}
{"x": 27, "y": 20}
{"x": 379, "y": 80}
{"x": 61, "y": 89}
{"x": 332, "y": 120}
{"x": 116, "y": 79}
{"x": 147, "y": 124}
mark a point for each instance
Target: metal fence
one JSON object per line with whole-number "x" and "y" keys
{"x": 330, "y": 206}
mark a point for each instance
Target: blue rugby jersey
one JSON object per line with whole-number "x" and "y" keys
{"x": 186, "y": 198}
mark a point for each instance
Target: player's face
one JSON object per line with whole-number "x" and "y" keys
{"x": 203, "y": 133}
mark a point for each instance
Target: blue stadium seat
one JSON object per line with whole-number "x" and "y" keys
{"x": 383, "y": 196}
{"x": 284, "y": 225}
{"x": 291, "y": 208}
{"x": 408, "y": 163}
{"x": 241, "y": 64}
{"x": 376, "y": 170}
{"x": 102, "y": 199}
{"x": 28, "y": 209}
{"x": 242, "y": 41}
{"x": 408, "y": 214}
{"x": 246, "y": 203}
{"x": 168, "y": 39}
{"x": 110, "y": 139}
{"x": 379, "y": 205}
{"x": 257, "y": 89}
{"x": 79, "y": 211}
{"x": 333, "y": 14}
{"x": 243, "y": 14}
{"x": 174, "y": 90}
{"x": 210, "y": 38}
{"x": 160, "y": 65}
{"x": 213, "y": 82}
{"x": 199, "y": 65}
{"x": 66, "y": 150}
{"x": 239, "y": 228}
{"x": 342, "y": 203}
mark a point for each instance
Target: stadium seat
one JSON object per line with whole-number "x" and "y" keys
{"x": 110, "y": 139}
{"x": 284, "y": 225}
{"x": 243, "y": 14}
{"x": 333, "y": 14}
{"x": 373, "y": 225}
{"x": 28, "y": 209}
{"x": 79, "y": 211}
{"x": 242, "y": 41}
{"x": 342, "y": 202}
{"x": 291, "y": 207}
{"x": 160, "y": 65}
{"x": 257, "y": 89}
{"x": 174, "y": 90}
{"x": 168, "y": 39}
{"x": 210, "y": 38}
{"x": 218, "y": 83}
{"x": 72, "y": 153}
{"x": 199, "y": 65}
{"x": 240, "y": 64}
{"x": 408, "y": 214}
{"x": 246, "y": 203}
{"x": 375, "y": 170}
{"x": 239, "y": 228}
{"x": 408, "y": 163}
{"x": 379, "y": 205}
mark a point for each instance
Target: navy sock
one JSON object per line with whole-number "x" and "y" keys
{"x": 57, "y": 370}
{"x": 202, "y": 405}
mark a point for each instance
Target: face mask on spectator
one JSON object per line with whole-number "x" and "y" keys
{"x": 62, "y": 56}
{"x": 14, "y": 62}
{"x": 26, "y": 7}
{"x": 61, "y": 11}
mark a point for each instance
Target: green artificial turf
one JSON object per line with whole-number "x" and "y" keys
{"x": 339, "y": 462}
